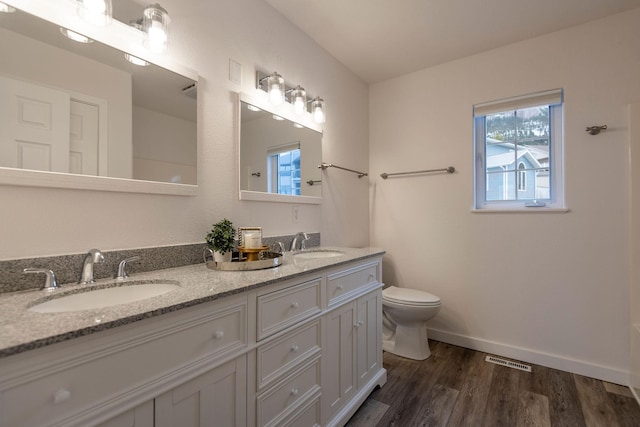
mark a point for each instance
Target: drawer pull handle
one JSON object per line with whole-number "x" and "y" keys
{"x": 339, "y": 287}
{"x": 218, "y": 335}
{"x": 294, "y": 391}
{"x": 294, "y": 304}
{"x": 61, "y": 395}
{"x": 294, "y": 348}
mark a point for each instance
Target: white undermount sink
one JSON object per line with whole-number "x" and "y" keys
{"x": 315, "y": 254}
{"x": 104, "y": 297}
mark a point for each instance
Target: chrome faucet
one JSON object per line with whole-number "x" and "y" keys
{"x": 294, "y": 242}
{"x": 121, "y": 274}
{"x": 51, "y": 283}
{"x": 92, "y": 257}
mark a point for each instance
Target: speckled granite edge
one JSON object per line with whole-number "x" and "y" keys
{"x": 67, "y": 267}
{"x": 211, "y": 285}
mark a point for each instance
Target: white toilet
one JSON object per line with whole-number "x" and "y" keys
{"x": 405, "y": 314}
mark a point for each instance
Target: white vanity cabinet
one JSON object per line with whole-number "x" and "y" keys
{"x": 353, "y": 349}
{"x": 302, "y": 351}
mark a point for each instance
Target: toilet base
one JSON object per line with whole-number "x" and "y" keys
{"x": 408, "y": 341}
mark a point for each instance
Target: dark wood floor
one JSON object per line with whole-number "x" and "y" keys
{"x": 457, "y": 387}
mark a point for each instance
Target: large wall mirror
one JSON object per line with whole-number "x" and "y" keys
{"x": 80, "y": 115}
{"x": 279, "y": 155}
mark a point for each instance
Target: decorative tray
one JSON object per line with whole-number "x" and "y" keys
{"x": 265, "y": 259}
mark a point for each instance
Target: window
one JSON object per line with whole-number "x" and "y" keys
{"x": 283, "y": 169}
{"x": 518, "y": 148}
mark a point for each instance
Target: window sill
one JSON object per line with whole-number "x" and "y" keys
{"x": 521, "y": 210}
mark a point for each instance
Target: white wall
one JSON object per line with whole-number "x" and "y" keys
{"x": 546, "y": 288}
{"x": 205, "y": 35}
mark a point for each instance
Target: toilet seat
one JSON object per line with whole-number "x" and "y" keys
{"x": 409, "y": 297}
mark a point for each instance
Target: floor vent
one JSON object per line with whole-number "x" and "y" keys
{"x": 508, "y": 363}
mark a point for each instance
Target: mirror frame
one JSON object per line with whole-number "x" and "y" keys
{"x": 124, "y": 38}
{"x": 286, "y": 112}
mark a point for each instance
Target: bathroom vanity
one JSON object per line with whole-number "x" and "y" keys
{"x": 297, "y": 345}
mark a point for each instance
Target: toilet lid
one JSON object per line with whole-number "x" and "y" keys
{"x": 409, "y": 296}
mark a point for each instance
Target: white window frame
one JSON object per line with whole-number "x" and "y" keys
{"x": 554, "y": 99}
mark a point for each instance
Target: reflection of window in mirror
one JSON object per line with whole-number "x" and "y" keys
{"x": 283, "y": 169}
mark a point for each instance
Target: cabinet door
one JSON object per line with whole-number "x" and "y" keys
{"x": 339, "y": 378}
{"x": 140, "y": 416}
{"x": 369, "y": 333}
{"x": 216, "y": 398}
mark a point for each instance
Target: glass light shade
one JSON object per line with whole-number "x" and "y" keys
{"x": 253, "y": 108}
{"x": 318, "y": 110}
{"x": 275, "y": 88}
{"x": 72, "y": 35}
{"x": 5, "y": 8}
{"x": 96, "y": 12}
{"x": 155, "y": 23}
{"x": 299, "y": 100}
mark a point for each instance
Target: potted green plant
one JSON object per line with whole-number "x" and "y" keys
{"x": 221, "y": 239}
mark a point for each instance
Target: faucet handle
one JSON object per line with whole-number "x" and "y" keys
{"x": 51, "y": 283}
{"x": 121, "y": 274}
{"x": 277, "y": 247}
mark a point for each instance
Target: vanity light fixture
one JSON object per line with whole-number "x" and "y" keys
{"x": 5, "y": 8}
{"x": 275, "y": 88}
{"x": 298, "y": 97}
{"x": 96, "y": 12}
{"x": 318, "y": 110}
{"x": 72, "y": 35}
{"x": 155, "y": 23}
{"x": 135, "y": 60}
{"x": 279, "y": 92}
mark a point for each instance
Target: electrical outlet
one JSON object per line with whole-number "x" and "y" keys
{"x": 295, "y": 214}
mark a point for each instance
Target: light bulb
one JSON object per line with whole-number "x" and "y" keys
{"x": 299, "y": 100}
{"x": 97, "y": 12}
{"x": 275, "y": 88}
{"x": 317, "y": 110}
{"x": 156, "y": 25}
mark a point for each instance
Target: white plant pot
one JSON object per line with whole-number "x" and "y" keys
{"x": 219, "y": 257}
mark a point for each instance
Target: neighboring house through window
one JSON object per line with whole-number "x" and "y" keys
{"x": 518, "y": 147}
{"x": 283, "y": 169}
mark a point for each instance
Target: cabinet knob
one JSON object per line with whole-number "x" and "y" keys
{"x": 61, "y": 395}
{"x": 294, "y": 391}
{"x": 371, "y": 277}
{"x": 358, "y": 323}
{"x": 218, "y": 335}
{"x": 294, "y": 348}
{"x": 294, "y": 304}
{"x": 339, "y": 287}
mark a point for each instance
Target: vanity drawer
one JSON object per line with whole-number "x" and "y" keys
{"x": 342, "y": 283}
{"x": 279, "y": 400}
{"x": 276, "y": 357}
{"x": 286, "y": 307}
{"x": 88, "y": 377}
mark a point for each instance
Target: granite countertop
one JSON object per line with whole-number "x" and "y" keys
{"x": 22, "y": 330}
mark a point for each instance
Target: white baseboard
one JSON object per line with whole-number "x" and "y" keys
{"x": 575, "y": 366}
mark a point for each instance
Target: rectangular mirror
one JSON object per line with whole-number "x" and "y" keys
{"x": 279, "y": 156}
{"x": 80, "y": 115}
